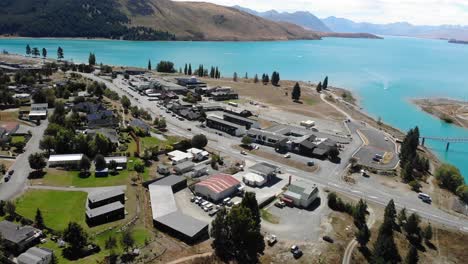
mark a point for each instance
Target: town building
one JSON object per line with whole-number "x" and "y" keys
{"x": 191, "y": 83}
{"x": 301, "y": 194}
{"x": 242, "y": 121}
{"x": 266, "y": 170}
{"x": 199, "y": 171}
{"x": 104, "y": 214}
{"x": 224, "y": 96}
{"x": 140, "y": 124}
{"x": 101, "y": 198}
{"x": 7, "y": 129}
{"x": 38, "y": 111}
{"x": 167, "y": 217}
{"x": 65, "y": 160}
{"x": 103, "y": 118}
{"x": 184, "y": 167}
{"x": 18, "y": 238}
{"x": 178, "y": 156}
{"x": 198, "y": 154}
{"x": 35, "y": 255}
{"x": 225, "y": 126}
{"x": 109, "y": 133}
{"x": 254, "y": 179}
{"x": 217, "y": 187}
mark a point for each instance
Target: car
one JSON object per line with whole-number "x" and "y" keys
{"x": 181, "y": 119}
{"x": 7, "y": 178}
{"x": 294, "y": 248}
{"x": 193, "y": 199}
{"x": 271, "y": 240}
{"x": 280, "y": 204}
{"x": 174, "y": 115}
{"x": 213, "y": 213}
{"x": 11, "y": 172}
{"x": 425, "y": 197}
{"x": 287, "y": 156}
{"x": 328, "y": 239}
{"x": 386, "y": 138}
{"x": 189, "y": 129}
{"x": 297, "y": 254}
{"x": 310, "y": 163}
{"x": 243, "y": 152}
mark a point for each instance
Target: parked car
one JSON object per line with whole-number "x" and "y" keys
{"x": 296, "y": 251}
{"x": 310, "y": 163}
{"x": 294, "y": 248}
{"x": 425, "y": 197}
{"x": 328, "y": 239}
{"x": 280, "y": 204}
{"x": 287, "y": 156}
{"x": 11, "y": 172}
{"x": 271, "y": 239}
{"x": 192, "y": 199}
{"x": 213, "y": 213}
{"x": 243, "y": 152}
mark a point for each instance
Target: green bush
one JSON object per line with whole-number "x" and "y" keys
{"x": 449, "y": 177}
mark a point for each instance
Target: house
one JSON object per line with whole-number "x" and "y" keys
{"x": 242, "y": 121}
{"x": 98, "y": 199}
{"x": 266, "y": 170}
{"x": 18, "y": 238}
{"x": 224, "y": 96}
{"x": 301, "y": 194}
{"x": 166, "y": 215}
{"x": 134, "y": 71}
{"x": 88, "y": 107}
{"x": 199, "y": 171}
{"x": 190, "y": 114}
{"x": 109, "y": 133}
{"x": 191, "y": 83}
{"x": 163, "y": 170}
{"x": 65, "y": 160}
{"x": 183, "y": 167}
{"x": 35, "y": 255}
{"x": 38, "y": 111}
{"x": 225, "y": 126}
{"x": 140, "y": 124}
{"x": 238, "y": 111}
{"x": 7, "y": 129}
{"x": 104, "y": 118}
{"x": 120, "y": 160}
{"x": 106, "y": 213}
{"x": 198, "y": 154}
{"x": 178, "y": 156}
{"x": 217, "y": 187}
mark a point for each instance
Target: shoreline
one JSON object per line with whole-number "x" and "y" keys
{"x": 448, "y": 110}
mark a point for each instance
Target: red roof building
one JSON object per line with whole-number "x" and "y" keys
{"x": 217, "y": 187}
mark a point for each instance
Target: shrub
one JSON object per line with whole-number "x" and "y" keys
{"x": 449, "y": 177}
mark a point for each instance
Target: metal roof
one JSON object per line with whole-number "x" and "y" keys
{"x": 100, "y": 196}
{"x": 219, "y": 182}
{"x": 170, "y": 180}
{"x": 162, "y": 200}
{"x": 264, "y": 168}
{"x": 16, "y": 233}
{"x": 104, "y": 209}
{"x": 121, "y": 159}
{"x": 66, "y": 157}
{"x": 224, "y": 122}
{"x": 185, "y": 224}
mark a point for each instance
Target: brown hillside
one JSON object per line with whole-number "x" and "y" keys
{"x": 205, "y": 21}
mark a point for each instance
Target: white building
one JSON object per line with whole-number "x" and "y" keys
{"x": 178, "y": 156}
{"x": 67, "y": 160}
{"x": 301, "y": 194}
{"x": 253, "y": 179}
{"x": 218, "y": 187}
{"x": 38, "y": 111}
{"x": 308, "y": 123}
{"x": 121, "y": 161}
{"x": 198, "y": 154}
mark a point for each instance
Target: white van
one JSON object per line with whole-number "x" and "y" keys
{"x": 424, "y": 197}
{"x": 205, "y": 203}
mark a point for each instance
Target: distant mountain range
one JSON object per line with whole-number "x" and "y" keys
{"x": 342, "y": 25}
{"x": 398, "y": 29}
{"x": 301, "y": 18}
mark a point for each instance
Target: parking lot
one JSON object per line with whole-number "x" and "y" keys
{"x": 298, "y": 224}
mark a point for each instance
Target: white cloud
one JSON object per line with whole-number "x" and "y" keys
{"x": 419, "y": 12}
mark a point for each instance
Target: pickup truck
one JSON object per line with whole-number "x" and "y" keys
{"x": 271, "y": 240}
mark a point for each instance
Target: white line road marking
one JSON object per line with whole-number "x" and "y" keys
{"x": 373, "y": 197}
{"x": 354, "y": 191}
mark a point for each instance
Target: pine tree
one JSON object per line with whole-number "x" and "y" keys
{"x": 413, "y": 230}
{"x": 59, "y": 53}
{"x": 149, "y": 65}
{"x": 250, "y": 201}
{"x": 402, "y": 218}
{"x": 407, "y": 173}
{"x": 190, "y": 69}
{"x": 296, "y": 93}
{"x": 385, "y": 250}
{"x": 38, "y": 220}
{"x": 35, "y": 52}
{"x": 319, "y": 87}
{"x": 92, "y": 59}
{"x": 412, "y": 257}
{"x": 267, "y": 79}
{"x": 28, "y": 50}
{"x": 185, "y": 69}
{"x": 360, "y": 213}
{"x": 212, "y": 72}
{"x": 428, "y": 233}
{"x": 325, "y": 83}
{"x": 363, "y": 236}
{"x": 234, "y": 78}
{"x": 44, "y": 53}
{"x": 256, "y": 78}
{"x": 246, "y": 76}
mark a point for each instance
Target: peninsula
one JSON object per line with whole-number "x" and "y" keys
{"x": 448, "y": 110}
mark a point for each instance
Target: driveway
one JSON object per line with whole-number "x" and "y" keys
{"x": 18, "y": 182}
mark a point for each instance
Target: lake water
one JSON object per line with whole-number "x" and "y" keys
{"x": 385, "y": 74}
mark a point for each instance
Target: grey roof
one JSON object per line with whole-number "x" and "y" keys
{"x": 100, "y": 196}
{"x": 170, "y": 180}
{"x": 162, "y": 200}
{"x": 305, "y": 190}
{"x": 224, "y": 122}
{"x": 184, "y": 165}
{"x": 109, "y": 133}
{"x": 185, "y": 224}
{"x": 140, "y": 124}
{"x": 104, "y": 209}
{"x": 16, "y": 233}
{"x": 248, "y": 120}
{"x": 34, "y": 255}
{"x": 264, "y": 168}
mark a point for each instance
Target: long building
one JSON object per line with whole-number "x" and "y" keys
{"x": 217, "y": 187}
{"x": 243, "y": 121}
{"x": 167, "y": 217}
{"x": 66, "y": 160}
{"x": 225, "y": 126}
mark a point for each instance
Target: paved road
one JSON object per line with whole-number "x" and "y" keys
{"x": 330, "y": 178}
{"x": 18, "y": 182}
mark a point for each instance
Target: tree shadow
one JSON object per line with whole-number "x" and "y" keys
{"x": 298, "y": 102}
{"x": 84, "y": 174}
{"x": 36, "y": 175}
{"x": 430, "y": 245}
{"x": 366, "y": 253}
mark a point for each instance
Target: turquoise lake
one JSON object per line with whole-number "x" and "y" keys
{"x": 384, "y": 74}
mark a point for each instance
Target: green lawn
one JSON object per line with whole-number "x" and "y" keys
{"x": 57, "y": 207}
{"x": 16, "y": 139}
{"x": 72, "y": 178}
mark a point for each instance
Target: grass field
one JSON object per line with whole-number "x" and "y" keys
{"x": 16, "y": 139}
{"x": 58, "y": 208}
{"x": 72, "y": 178}
{"x": 8, "y": 116}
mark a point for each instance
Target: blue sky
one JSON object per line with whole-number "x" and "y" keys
{"x": 419, "y": 12}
